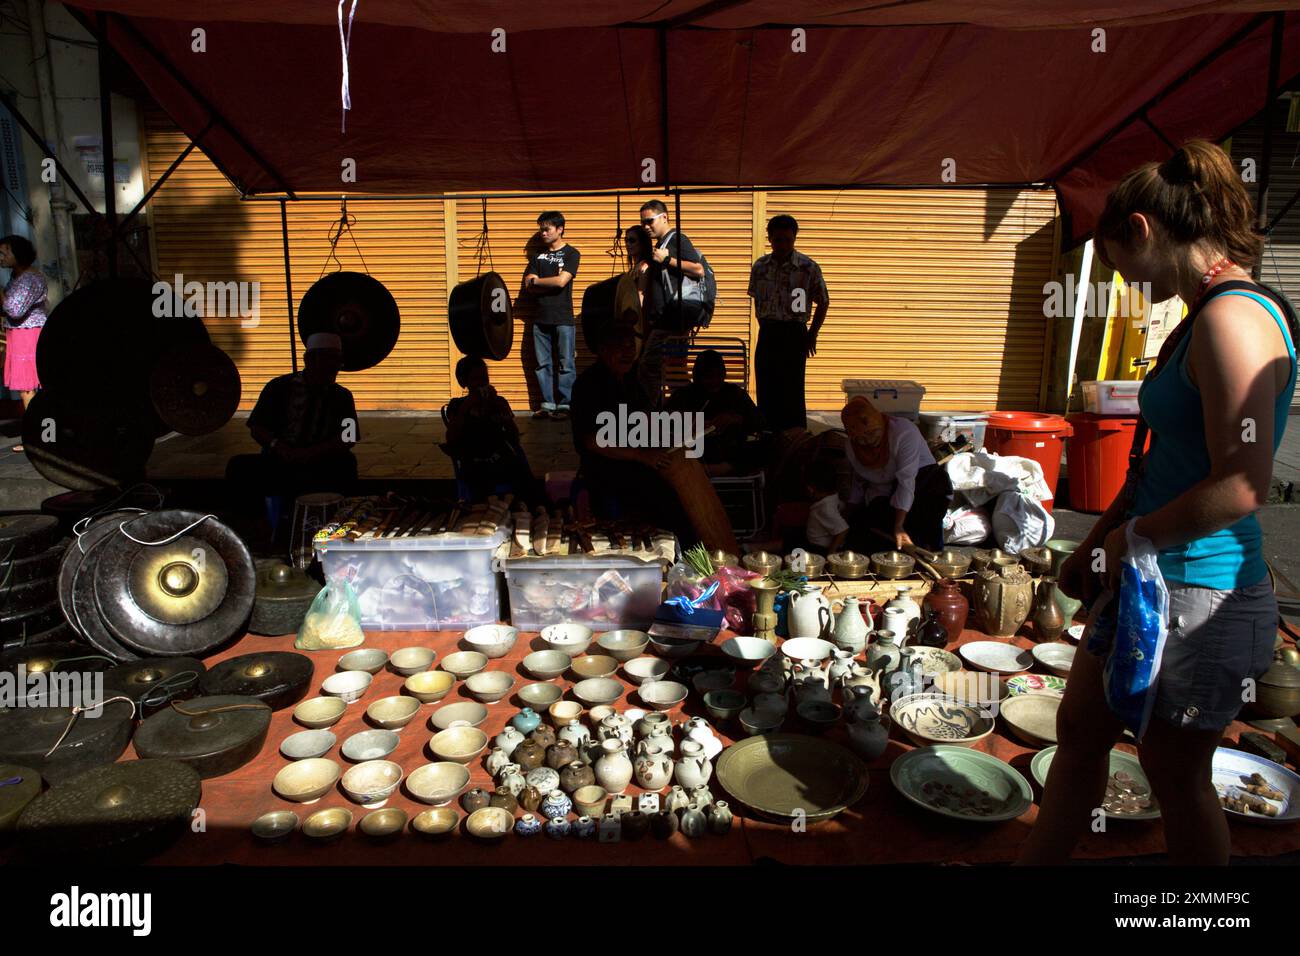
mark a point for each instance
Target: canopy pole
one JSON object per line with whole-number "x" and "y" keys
{"x": 663, "y": 107}
{"x": 158, "y": 184}
{"x": 288, "y": 282}
{"x": 1271, "y": 104}
{"x": 1080, "y": 307}
{"x": 106, "y": 150}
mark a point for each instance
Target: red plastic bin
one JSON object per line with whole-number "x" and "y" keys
{"x": 1097, "y": 458}
{"x": 1035, "y": 435}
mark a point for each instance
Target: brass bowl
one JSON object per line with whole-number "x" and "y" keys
{"x": 438, "y": 783}
{"x": 892, "y": 565}
{"x": 594, "y": 665}
{"x": 429, "y": 687}
{"x": 992, "y": 557}
{"x": 724, "y": 559}
{"x": 489, "y": 686}
{"x": 849, "y": 565}
{"x": 815, "y": 564}
{"x": 393, "y": 713}
{"x": 463, "y": 664}
{"x": 623, "y": 645}
{"x": 306, "y": 781}
{"x": 327, "y": 824}
{"x": 763, "y": 562}
{"x": 383, "y": 824}
{"x": 1037, "y": 561}
{"x": 469, "y": 711}
{"x": 411, "y": 660}
{"x": 318, "y": 712}
{"x": 435, "y": 823}
{"x": 275, "y": 825}
{"x": 1277, "y": 693}
{"x": 951, "y": 563}
{"x": 458, "y": 744}
{"x": 368, "y": 659}
{"x": 541, "y": 695}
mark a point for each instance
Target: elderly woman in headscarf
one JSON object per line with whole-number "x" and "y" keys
{"x": 898, "y": 494}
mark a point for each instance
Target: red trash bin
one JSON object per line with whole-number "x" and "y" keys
{"x": 1035, "y": 435}
{"x": 1097, "y": 458}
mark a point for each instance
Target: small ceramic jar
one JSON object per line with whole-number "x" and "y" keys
{"x": 584, "y": 828}
{"x": 543, "y": 736}
{"x": 497, "y": 759}
{"x": 475, "y": 799}
{"x": 576, "y": 733}
{"x": 676, "y": 799}
{"x": 505, "y": 800}
{"x": 693, "y": 768}
{"x": 557, "y": 828}
{"x": 613, "y": 769}
{"x": 693, "y": 822}
{"x": 663, "y": 824}
{"x": 635, "y": 825}
{"x": 615, "y": 727}
{"x": 511, "y": 780}
{"x": 528, "y": 755}
{"x": 528, "y": 825}
{"x": 653, "y": 771}
{"x": 576, "y": 776}
{"x": 560, "y": 754}
{"x": 508, "y": 740}
{"x": 530, "y": 799}
{"x": 611, "y": 829}
{"x": 556, "y": 804}
{"x": 543, "y": 778}
{"x": 653, "y": 724}
{"x": 720, "y": 818}
{"x": 526, "y": 721}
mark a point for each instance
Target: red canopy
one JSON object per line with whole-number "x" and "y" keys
{"x": 900, "y": 94}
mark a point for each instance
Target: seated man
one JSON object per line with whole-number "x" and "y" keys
{"x": 306, "y": 424}
{"x": 731, "y": 418}
{"x": 483, "y": 438}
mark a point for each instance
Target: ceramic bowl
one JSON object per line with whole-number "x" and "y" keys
{"x": 563, "y": 711}
{"x": 931, "y": 718}
{"x": 438, "y": 783}
{"x": 317, "y": 712}
{"x": 545, "y": 665}
{"x": 971, "y": 687}
{"x": 594, "y": 665}
{"x": 934, "y": 660}
{"x": 998, "y": 657}
{"x": 411, "y": 660}
{"x": 671, "y": 648}
{"x": 540, "y": 696}
{"x": 471, "y": 712}
{"x": 748, "y": 651}
{"x": 370, "y": 745}
{"x": 371, "y": 783}
{"x": 435, "y": 823}
{"x": 327, "y": 824}
{"x": 489, "y": 687}
{"x": 464, "y": 664}
{"x": 1032, "y": 717}
{"x": 275, "y": 825}
{"x": 807, "y": 649}
{"x": 598, "y": 713}
{"x": 598, "y": 690}
{"x": 662, "y": 694}
{"x": 428, "y": 687}
{"x": 1055, "y": 658}
{"x": 623, "y": 645}
{"x": 393, "y": 713}
{"x": 493, "y": 640}
{"x": 490, "y": 823}
{"x": 306, "y": 781}
{"x": 383, "y": 824}
{"x": 589, "y": 801}
{"x": 368, "y": 659}
{"x": 724, "y": 704}
{"x": 761, "y": 721}
{"x": 347, "y": 686}
{"x": 706, "y": 681}
{"x": 307, "y": 744}
{"x": 644, "y": 669}
{"x": 573, "y": 639}
{"x": 771, "y": 701}
{"x": 818, "y": 715}
{"x": 459, "y": 744}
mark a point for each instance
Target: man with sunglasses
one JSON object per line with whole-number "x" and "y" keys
{"x": 668, "y": 328}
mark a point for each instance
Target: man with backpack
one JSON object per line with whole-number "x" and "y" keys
{"x": 680, "y": 296}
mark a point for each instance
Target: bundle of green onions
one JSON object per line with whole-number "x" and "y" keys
{"x": 699, "y": 561}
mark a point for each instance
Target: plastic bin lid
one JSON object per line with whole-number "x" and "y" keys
{"x": 1028, "y": 422}
{"x": 438, "y": 542}
{"x": 1105, "y": 423}
{"x": 955, "y": 416}
{"x": 886, "y": 384}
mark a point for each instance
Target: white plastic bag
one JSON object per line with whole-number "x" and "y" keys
{"x": 1020, "y": 522}
{"x": 963, "y": 525}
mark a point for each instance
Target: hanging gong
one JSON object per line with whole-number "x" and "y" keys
{"x": 77, "y": 586}
{"x": 284, "y": 594}
{"x": 98, "y": 339}
{"x": 597, "y": 313}
{"x": 28, "y": 734}
{"x": 154, "y": 682}
{"x": 137, "y": 803}
{"x": 195, "y": 388}
{"x": 32, "y": 568}
{"x": 277, "y": 678}
{"x": 19, "y": 786}
{"x": 26, "y": 535}
{"x": 481, "y": 318}
{"x": 356, "y": 308}
{"x": 78, "y": 441}
{"x": 186, "y": 595}
{"x": 214, "y": 735}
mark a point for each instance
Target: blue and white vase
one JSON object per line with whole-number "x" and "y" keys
{"x": 557, "y": 828}
{"x": 528, "y": 825}
{"x": 584, "y": 828}
{"x": 556, "y": 804}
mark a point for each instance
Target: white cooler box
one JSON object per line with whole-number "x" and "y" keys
{"x": 604, "y": 592}
{"x": 892, "y": 396}
{"x": 434, "y": 583}
{"x": 1111, "y": 397}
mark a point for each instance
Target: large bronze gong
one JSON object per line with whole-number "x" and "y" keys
{"x": 481, "y": 317}
{"x": 184, "y": 594}
{"x": 77, "y": 586}
{"x": 79, "y": 440}
{"x": 29, "y": 734}
{"x": 356, "y": 308}
{"x": 277, "y": 678}
{"x": 195, "y": 388}
{"x": 214, "y": 735}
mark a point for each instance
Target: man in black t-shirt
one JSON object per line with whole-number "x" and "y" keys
{"x": 675, "y": 255}
{"x": 549, "y": 279}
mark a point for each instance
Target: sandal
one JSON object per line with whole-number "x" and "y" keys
{"x": 17, "y": 449}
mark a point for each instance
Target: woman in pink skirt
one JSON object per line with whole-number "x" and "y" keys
{"x": 25, "y": 307}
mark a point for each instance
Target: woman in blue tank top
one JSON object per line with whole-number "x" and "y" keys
{"x": 1216, "y": 406}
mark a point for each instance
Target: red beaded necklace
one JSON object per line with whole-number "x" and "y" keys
{"x": 1210, "y": 275}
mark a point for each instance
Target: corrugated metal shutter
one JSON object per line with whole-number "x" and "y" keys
{"x": 202, "y": 231}
{"x": 941, "y": 287}
{"x": 1280, "y": 266}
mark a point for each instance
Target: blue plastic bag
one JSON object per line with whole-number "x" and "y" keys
{"x": 1131, "y": 632}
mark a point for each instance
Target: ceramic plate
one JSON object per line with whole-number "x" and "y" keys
{"x": 1120, "y": 762}
{"x": 961, "y": 784}
{"x": 1057, "y": 658}
{"x": 934, "y": 660}
{"x": 996, "y": 656}
{"x": 785, "y": 776}
{"x": 1032, "y": 717}
{"x": 1231, "y": 765}
{"x": 1035, "y": 683}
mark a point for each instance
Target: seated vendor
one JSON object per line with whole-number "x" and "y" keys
{"x": 483, "y": 439}
{"x": 731, "y": 418}
{"x": 899, "y": 494}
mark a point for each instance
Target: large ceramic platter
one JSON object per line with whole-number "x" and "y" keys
{"x": 1231, "y": 765}
{"x": 789, "y": 776}
{"x": 961, "y": 784}
{"x": 1057, "y": 658}
{"x": 934, "y": 660}
{"x": 996, "y": 656}
{"x": 1036, "y": 684}
{"x": 1121, "y": 762}
{"x": 1032, "y": 717}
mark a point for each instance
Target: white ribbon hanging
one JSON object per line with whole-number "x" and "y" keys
{"x": 345, "y": 40}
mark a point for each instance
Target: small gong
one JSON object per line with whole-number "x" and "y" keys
{"x": 214, "y": 735}
{"x": 277, "y": 678}
{"x": 98, "y": 736}
{"x": 284, "y": 595}
{"x": 155, "y": 681}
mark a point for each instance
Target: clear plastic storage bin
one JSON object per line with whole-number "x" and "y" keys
{"x": 1111, "y": 397}
{"x": 435, "y": 583}
{"x": 948, "y": 426}
{"x": 604, "y": 592}
{"x": 893, "y": 396}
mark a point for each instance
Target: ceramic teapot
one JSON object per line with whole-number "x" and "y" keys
{"x": 693, "y": 767}
{"x": 869, "y": 737}
{"x": 810, "y": 614}
{"x": 698, "y": 730}
{"x": 851, "y": 629}
{"x": 653, "y": 771}
{"x": 884, "y": 654}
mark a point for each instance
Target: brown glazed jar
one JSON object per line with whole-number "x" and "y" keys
{"x": 635, "y": 825}
{"x": 505, "y": 800}
{"x": 951, "y": 607}
{"x": 529, "y": 755}
{"x": 560, "y": 754}
{"x": 475, "y": 799}
{"x": 575, "y": 776}
{"x": 530, "y": 798}
{"x": 543, "y": 736}
{"x": 663, "y": 824}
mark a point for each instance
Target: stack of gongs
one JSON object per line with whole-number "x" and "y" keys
{"x": 30, "y": 551}
{"x": 114, "y": 378}
{"x": 157, "y": 584}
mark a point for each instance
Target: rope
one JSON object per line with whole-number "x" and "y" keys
{"x": 215, "y": 710}
{"x": 167, "y": 688}
{"x": 77, "y": 712}
{"x": 483, "y": 244}
{"x": 80, "y": 532}
{"x": 343, "y": 225}
{"x": 618, "y": 251}
{"x": 151, "y": 544}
